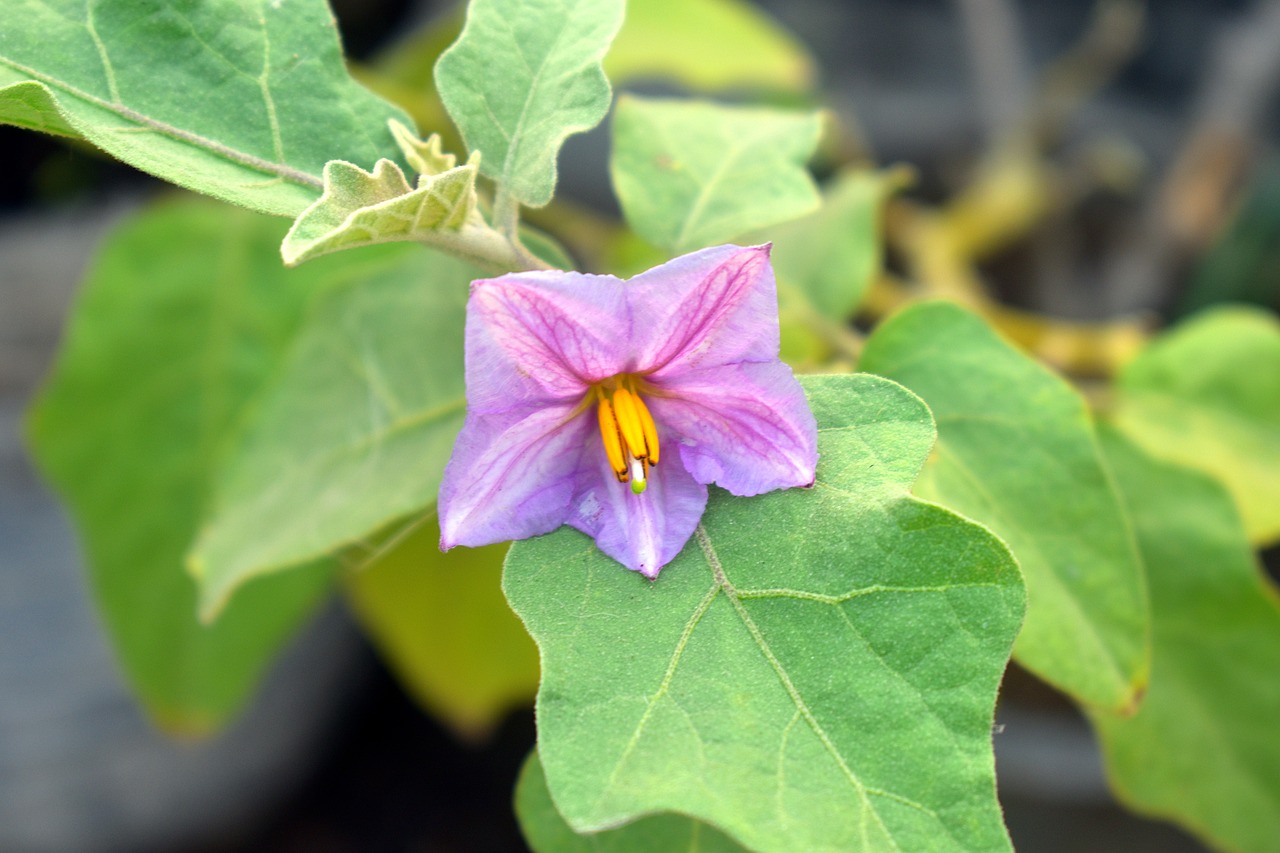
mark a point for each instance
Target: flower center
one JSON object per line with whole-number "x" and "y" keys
{"x": 629, "y": 433}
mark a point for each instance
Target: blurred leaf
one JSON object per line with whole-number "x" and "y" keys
{"x": 816, "y": 670}
{"x": 181, "y": 319}
{"x": 1207, "y": 395}
{"x": 1202, "y": 750}
{"x": 442, "y": 624}
{"x": 352, "y": 434}
{"x": 521, "y": 78}
{"x": 691, "y": 174}
{"x": 1017, "y": 452}
{"x": 546, "y": 832}
{"x": 708, "y": 45}
{"x": 274, "y": 103}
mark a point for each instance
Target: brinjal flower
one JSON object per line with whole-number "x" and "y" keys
{"x": 609, "y": 405}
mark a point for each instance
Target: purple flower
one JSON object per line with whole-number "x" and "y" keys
{"x": 609, "y": 405}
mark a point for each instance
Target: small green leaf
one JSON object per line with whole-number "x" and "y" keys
{"x": 442, "y": 624}
{"x": 424, "y": 156}
{"x": 815, "y": 671}
{"x": 1017, "y": 452}
{"x": 691, "y": 174}
{"x": 710, "y": 46}
{"x": 546, "y": 831}
{"x": 1207, "y": 395}
{"x": 362, "y": 208}
{"x": 521, "y": 78}
{"x": 245, "y": 101}
{"x": 1202, "y": 750}
{"x": 181, "y": 320}
{"x": 353, "y": 433}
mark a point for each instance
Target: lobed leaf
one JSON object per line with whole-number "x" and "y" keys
{"x": 1017, "y": 452}
{"x": 181, "y": 319}
{"x": 1207, "y": 395}
{"x": 522, "y": 77}
{"x": 546, "y": 832}
{"x": 245, "y": 100}
{"x": 442, "y": 624}
{"x": 1202, "y": 750}
{"x": 691, "y": 174}
{"x": 352, "y": 434}
{"x": 815, "y": 671}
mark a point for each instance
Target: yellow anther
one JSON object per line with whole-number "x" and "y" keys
{"x": 629, "y": 422}
{"x": 649, "y": 428}
{"x": 612, "y": 441}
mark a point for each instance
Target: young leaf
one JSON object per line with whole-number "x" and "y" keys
{"x": 1202, "y": 750}
{"x": 352, "y": 434}
{"x": 709, "y": 45}
{"x": 521, "y": 78}
{"x": 691, "y": 174}
{"x": 362, "y": 208}
{"x": 182, "y": 318}
{"x": 815, "y": 671}
{"x": 442, "y": 624}
{"x": 546, "y": 831}
{"x": 245, "y": 101}
{"x": 1207, "y": 395}
{"x": 1017, "y": 452}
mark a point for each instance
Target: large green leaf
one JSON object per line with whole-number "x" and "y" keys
{"x": 708, "y": 45}
{"x": 1017, "y": 451}
{"x": 443, "y": 625}
{"x": 523, "y": 76}
{"x": 546, "y": 831}
{"x": 1202, "y": 750}
{"x": 815, "y": 671}
{"x": 1207, "y": 395}
{"x": 355, "y": 430}
{"x": 245, "y": 100}
{"x": 691, "y": 174}
{"x": 182, "y": 318}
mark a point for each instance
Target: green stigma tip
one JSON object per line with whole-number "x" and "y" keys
{"x": 638, "y": 486}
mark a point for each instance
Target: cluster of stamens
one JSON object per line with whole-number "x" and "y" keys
{"x": 629, "y": 432}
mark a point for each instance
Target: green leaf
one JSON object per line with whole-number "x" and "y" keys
{"x": 245, "y": 100}
{"x": 710, "y": 46}
{"x": 1202, "y": 750}
{"x": 353, "y": 433}
{"x": 815, "y": 671}
{"x": 546, "y": 831}
{"x": 521, "y": 78}
{"x": 362, "y": 208}
{"x": 1017, "y": 452}
{"x": 691, "y": 174}
{"x": 1207, "y": 395}
{"x": 183, "y": 316}
{"x": 441, "y": 622}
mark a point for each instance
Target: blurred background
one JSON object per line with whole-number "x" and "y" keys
{"x": 1157, "y": 126}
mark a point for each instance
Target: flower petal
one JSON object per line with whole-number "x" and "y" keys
{"x": 513, "y": 474}
{"x": 643, "y": 532}
{"x": 538, "y": 337}
{"x": 744, "y": 427}
{"x": 709, "y": 308}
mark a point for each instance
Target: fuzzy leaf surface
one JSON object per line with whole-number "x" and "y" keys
{"x": 355, "y": 430}
{"x": 523, "y": 76}
{"x": 815, "y": 671}
{"x": 1207, "y": 395}
{"x": 1017, "y": 451}
{"x": 244, "y": 100}
{"x": 691, "y": 174}
{"x": 1202, "y": 749}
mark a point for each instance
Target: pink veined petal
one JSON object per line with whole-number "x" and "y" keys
{"x": 512, "y": 475}
{"x": 713, "y": 307}
{"x": 643, "y": 532}
{"x": 745, "y": 427}
{"x": 539, "y": 337}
